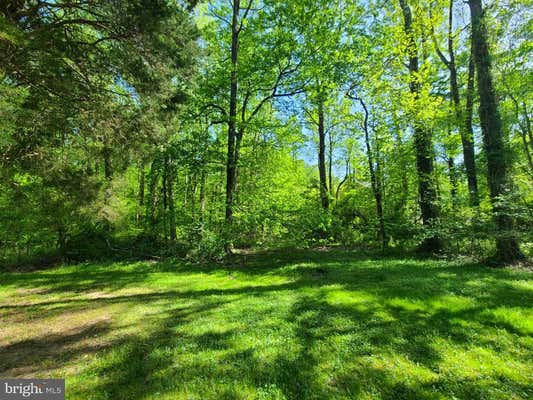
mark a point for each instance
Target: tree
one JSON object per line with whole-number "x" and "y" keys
{"x": 463, "y": 117}
{"x": 423, "y": 144}
{"x": 254, "y": 80}
{"x": 374, "y": 167}
{"x": 83, "y": 72}
{"x": 507, "y": 247}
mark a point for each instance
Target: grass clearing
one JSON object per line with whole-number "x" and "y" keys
{"x": 283, "y": 325}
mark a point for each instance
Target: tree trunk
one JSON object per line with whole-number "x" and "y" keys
{"x": 152, "y": 194}
{"x": 330, "y": 162}
{"x": 108, "y": 173}
{"x": 452, "y": 171}
{"x": 194, "y": 190}
{"x": 171, "y": 211}
{"x": 404, "y": 195}
{"x": 203, "y": 180}
{"x": 324, "y": 196}
{"x": 164, "y": 184}
{"x": 507, "y": 246}
{"x": 525, "y": 130}
{"x": 164, "y": 192}
{"x": 465, "y": 120}
{"x": 375, "y": 181}
{"x": 141, "y": 193}
{"x": 527, "y": 125}
{"x": 379, "y": 202}
{"x": 61, "y": 240}
{"x": 423, "y": 146}
{"x": 231, "y": 162}
{"x": 468, "y": 140}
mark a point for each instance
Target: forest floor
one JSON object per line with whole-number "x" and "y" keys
{"x": 276, "y": 325}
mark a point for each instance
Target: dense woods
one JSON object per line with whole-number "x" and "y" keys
{"x": 152, "y": 128}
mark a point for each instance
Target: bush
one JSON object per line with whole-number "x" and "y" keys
{"x": 204, "y": 244}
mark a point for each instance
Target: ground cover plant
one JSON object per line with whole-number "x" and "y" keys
{"x": 273, "y": 325}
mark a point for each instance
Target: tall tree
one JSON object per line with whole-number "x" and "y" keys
{"x": 260, "y": 63}
{"x": 423, "y": 144}
{"x": 325, "y": 29}
{"x": 374, "y": 167}
{"x": 233, "y": 145}
{"x": 507, "y": 246}
{"x": 463, "y": 117}
{"x": 324, "y": 194}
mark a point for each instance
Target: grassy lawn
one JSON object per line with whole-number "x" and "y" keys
{"x": 279, "y": 325}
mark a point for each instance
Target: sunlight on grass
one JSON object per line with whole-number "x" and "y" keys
{"x": 284, "y": 326}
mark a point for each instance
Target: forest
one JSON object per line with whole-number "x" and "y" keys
{"x": 195, "y": 129}
{"x": 294, "y": 199}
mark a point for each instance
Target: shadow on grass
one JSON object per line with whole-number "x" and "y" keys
{"x": 27, "y": 356}
{"x": 335, "y": 350}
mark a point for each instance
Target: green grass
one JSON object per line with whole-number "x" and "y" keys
{"x": 281, "y": 325}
